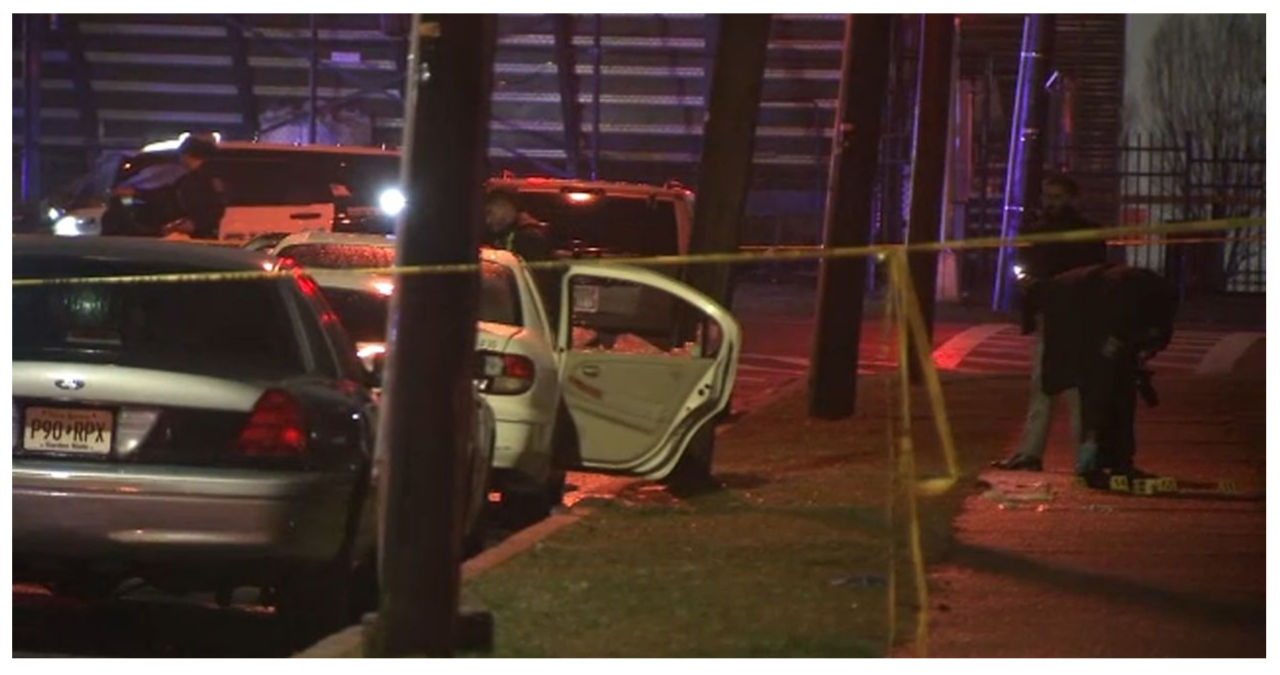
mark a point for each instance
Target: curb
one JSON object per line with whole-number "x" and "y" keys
{"x": 349, "y": 642}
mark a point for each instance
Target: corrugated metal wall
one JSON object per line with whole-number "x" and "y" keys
{"x": 147, "y": 77}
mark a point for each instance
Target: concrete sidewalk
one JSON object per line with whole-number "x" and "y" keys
{"x": 1043, "y": 568}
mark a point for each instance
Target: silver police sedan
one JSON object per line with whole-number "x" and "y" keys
{"x": 201, "y": 435}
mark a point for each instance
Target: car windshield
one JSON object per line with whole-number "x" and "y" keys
{"x": 339, "y": 256}
{"x": 235, "y": 328}
{"x": 364, "y": 312}
{"x": 613, "y": 224}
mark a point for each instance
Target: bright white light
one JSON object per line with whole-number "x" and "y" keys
{"x": 365, "y": 350}
{"x": 1019, "y": 272}
{"x": 580, "y": 197}
{"x": 384, "y": 287}
{"x": 161, "y": 146}
{"x": 67, "y": 226}
{"x": 54, "y": 214}
{"x": 391, "y": 201}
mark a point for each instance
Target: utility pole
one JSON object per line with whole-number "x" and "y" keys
{"x": 854, "y": 152}
{"x": 426, "y": 420}
{"x": 929, "y": 165}
{"x": 566, "y": 70}
{"x": 724, "y": 172}
{"x": 33, "y": 46}
{"x": 1026, "y": 145}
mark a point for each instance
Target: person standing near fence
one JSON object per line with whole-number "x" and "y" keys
{"x": 1036, "y": 266}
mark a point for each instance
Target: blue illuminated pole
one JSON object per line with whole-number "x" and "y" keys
{"x": 33, "y": 45}
{"x": 1026, "y": 147}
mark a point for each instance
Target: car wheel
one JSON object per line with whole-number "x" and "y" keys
{"x": 554, "y": 489}
{"x": 521, "y": 508}
{"x": 473, "y": 541}
{"x": 312, "y": 602}
{"x": 693, "y": 472}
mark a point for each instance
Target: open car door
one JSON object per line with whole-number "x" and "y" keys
{"x": 646, "y": 362}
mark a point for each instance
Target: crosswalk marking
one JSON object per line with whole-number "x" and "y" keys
{"x": 997, "y": 348}
{"x": 1000, "y": 347}
{"x": 1223, "y": 355}
{"x": 953, "y": 351}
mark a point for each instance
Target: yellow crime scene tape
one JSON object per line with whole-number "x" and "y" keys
{"x": 903, "y": 317}
{"x": 771, "y": 254}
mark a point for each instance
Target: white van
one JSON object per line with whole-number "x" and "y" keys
{"x": 269, "y": 189}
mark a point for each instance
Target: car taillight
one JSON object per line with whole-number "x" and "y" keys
{"x": 275, "y": 428}
{"x": 504, "y": 374}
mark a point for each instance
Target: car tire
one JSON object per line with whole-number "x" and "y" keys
{"x": 473, "y": 540}
{"x": 692, "y": 473}
{"x": 524, "y": 508}
{"x": 312, "y": 602}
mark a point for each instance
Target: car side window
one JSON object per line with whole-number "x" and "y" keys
{"x": 310, "y": 303}
{"x": 627, "y": 318}
{"x": 344, "y": 351}
{"x": 269, "y": 182}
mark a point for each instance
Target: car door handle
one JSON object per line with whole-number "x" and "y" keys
{"x": 304, "y": 216}
{"x": 591, "y": 370}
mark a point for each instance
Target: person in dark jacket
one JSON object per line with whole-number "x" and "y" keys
{"x": 1060, "y": 212}
{"x": 196, "y": 197}
{"x": 1037, "y": 265}
{"x": 1102, "y": 323}
{"x": 510, "y": 229}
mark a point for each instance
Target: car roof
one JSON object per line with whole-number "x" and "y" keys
{"x": 183, "y": 254}
{"x": 252, "y": 146}
{"x": 382, "y": 241}
{"x": 349, "y": 238}
{"x": 364, "y": 281}
{"x": 546, "y": 184}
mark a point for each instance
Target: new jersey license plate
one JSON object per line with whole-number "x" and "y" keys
{"x": 68, "y": 430}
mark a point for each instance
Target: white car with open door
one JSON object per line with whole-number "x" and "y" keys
{"x": 640, "y": 365}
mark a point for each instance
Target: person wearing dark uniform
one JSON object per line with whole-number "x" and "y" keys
{"x": 508, "y": 228}
{"x": 1039, "y": 263}
{"x": 1102, "y": 323}
{"x": 196, "y": 197}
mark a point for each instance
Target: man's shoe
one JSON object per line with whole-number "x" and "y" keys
{"x": 1019, "y": 463}
{"x": 1095, "y": 479}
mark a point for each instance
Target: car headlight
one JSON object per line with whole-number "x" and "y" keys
{"x": 391, "y": 201}
{"x": 54, "y": 214}
{"x": 1019, "y": 273}
{"x": 67, "y": 226}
